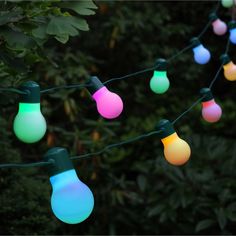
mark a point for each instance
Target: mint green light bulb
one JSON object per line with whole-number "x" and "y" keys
{"x": 159, "y": 82}
{"x": 227, "y": 3}
{"x": 29, "y": 124}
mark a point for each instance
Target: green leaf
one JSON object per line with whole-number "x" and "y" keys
{"x": 204, "y": 224}
{"x": 65, "y": 26}
{"x": 81, "y": 7}
{"x": 63, "y": 38}
{"x": 17, "y": 40}
{"x": 10, "y": 16}
{"x": 40, "y": 32}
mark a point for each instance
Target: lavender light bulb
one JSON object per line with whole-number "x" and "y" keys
{"x": 201, "y": 54}
{"x": 219, "y": 26}
{"x": 109, "y": 104}
{"x": 211, "y": 111}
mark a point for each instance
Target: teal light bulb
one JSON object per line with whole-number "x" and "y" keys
{"x": 72, "y": 201}
{"x": 159, "y": 82}
{"x": 29, "y": 125}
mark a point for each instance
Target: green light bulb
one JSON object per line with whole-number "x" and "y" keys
{"x": 227, "y": 3}
{"x": 159, "y": 82}
{"x": 29, "y": 124}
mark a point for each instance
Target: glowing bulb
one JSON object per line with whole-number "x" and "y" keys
{"x": 29, "y": 124}
{"x": 72, "y": 201}
{"x": 159, "y": 82}
{"x": 176, "y": 150}
{"x": 211, "y": 111}
{"x": 232, "y": 31}
{"x": 219, "y": 27}
{"x": 109, "y": 105}
{"x": 201, "y": 54}
{"x": 229, "y": 68}
{"x": 227, "y": 3}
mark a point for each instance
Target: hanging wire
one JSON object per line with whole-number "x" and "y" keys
{"x": 130, "y": 75}
{"x": 188, "y": 110}
{"x": 89, "y": 155}
{"x": 64, "y": 87}
{"x": 13, "y": 90}
{"x": 180, "y": 52}
{"x": 26, "y": 165}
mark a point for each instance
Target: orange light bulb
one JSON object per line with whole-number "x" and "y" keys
{"x": 230, "y": 71}
{"x": 229, "y": 67}
{"x": 177, "y": 152}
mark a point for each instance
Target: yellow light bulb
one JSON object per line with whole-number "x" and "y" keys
{"x": 176, "y": 150}
{"x": 230, "y": 71}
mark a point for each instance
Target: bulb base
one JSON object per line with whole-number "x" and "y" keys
{"x": 166, "y": 128}
{"x": 94, "y": 84}
{"x": 32, "y": 92}
{"x": 225, "y": 59}
{"x": 61, "y": 160}
{"x": 161, "y": 64}
{"x": 232, "y": 24}
{"x": 195, "y": 42}
{"x": 206, "y": 92}
{"x": 213, "y": 16}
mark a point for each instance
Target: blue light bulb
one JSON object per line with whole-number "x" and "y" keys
{"x": 72, "y": 201}
{"x": 201, "y": 54}
{"x": 232, "y": 35}
{"x": 232, "y": 31}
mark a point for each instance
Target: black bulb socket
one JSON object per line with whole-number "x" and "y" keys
{"x": 31, "y": 92}
{"x": 232, "y": 24}
{"x": 161, "y": 64}
{"x": 60, "y": 160}
{"x": 206, "y": 92}
{"x": 165, "y": 127}
{"x": 213, "y": 16}
{"x": 195, "y": 42}
{"x": 225, "y": 59}
{"x": 94, "y": 84}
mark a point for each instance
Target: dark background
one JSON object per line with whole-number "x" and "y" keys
{"x": 136, "y": 191}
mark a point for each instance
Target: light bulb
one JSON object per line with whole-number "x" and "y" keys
{"x": 29, "y": 124}
{"x": 159, "y": 82}
{"x": 176, "y": 150}
{"x": 109, "y": 105}
{"x": 201, "y": 54}
{"x": 211, "y": 111}
{"x": 72, "y": 201}
{"x": 227, "y": 3}
{"x": 219, "y": 27}
{"x": 232, "y": 31}
{"x": 229, "y": 68}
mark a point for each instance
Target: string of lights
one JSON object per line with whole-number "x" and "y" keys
{"x": 68, "y": 188}
{"x": 90, "y": 84}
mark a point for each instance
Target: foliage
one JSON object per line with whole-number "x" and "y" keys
{"x": 136, "y": 191}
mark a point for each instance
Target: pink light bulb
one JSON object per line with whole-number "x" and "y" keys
{"x": 219, "y": 27}
{"x": 211, "y": 111}
{"x": 109, "y": 105}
